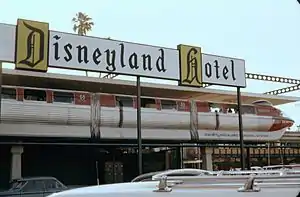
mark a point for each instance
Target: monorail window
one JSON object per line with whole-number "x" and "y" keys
{"x": 168, "y": 104}
{"x": 124, "y": 101}
{"x": 148, "y": 103}
{"x": 231, "y": 109}
{"x": 262, "y": 102}
{"x": 248, "y": 110}
{"x": 34, "y": 95}
{"x": 9, "y": 93}
{"x": 215, "y": 107}
{"x": 63, "y": 97}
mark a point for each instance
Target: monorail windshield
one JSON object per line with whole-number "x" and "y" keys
{"x": 262, "y": 102}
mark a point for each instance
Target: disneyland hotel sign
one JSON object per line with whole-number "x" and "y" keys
{"x": 32, "y": 46}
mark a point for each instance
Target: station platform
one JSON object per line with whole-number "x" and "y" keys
{"x": 291, "y": 136}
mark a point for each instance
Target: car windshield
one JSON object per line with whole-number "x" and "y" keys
{"x": 17, "y": 185}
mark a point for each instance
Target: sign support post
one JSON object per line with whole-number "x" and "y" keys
{"x": 1, "y": 64}
{"x": 241, "y": 132}
{"x": 138, "y": 124}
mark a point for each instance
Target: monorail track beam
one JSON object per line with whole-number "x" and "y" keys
{"x": 275, "y": 79}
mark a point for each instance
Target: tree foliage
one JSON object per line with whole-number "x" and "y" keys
{"x": 82, "y": 24}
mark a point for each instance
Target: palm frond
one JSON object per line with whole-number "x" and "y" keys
{"x": 74, "y": 20}
{"x": 75, "y": 27}
{"x": 80, "y": 15}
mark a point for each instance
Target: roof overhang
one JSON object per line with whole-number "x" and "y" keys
{"x": 116, "y": 86}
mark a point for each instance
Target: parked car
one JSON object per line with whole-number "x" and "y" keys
{"x": 33, "y": 187}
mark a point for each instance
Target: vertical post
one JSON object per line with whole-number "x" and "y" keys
{"x": 248, "y": 158}
{"x": 242, "y": 156}
{"x": 0, "y": 92}
{"x": 139, "y": 125}
{"x": 114, "y": 165}
{"x": 95, "y": 116}
{"x": 97, "y": 173}
{"x": 269, "y": 160}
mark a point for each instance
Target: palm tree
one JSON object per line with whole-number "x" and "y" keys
{"x": 82, "y": 24}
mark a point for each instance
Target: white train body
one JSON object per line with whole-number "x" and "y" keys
{"x": 114, "y": 121}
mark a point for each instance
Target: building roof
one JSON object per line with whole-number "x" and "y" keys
{"x": 116, "y": 86}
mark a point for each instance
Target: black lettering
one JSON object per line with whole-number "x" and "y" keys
{"x": 217, "y": 69}
{"x": 97, "y": 53}
{"x": 208, "y": 70}
{"x": 160, "y": 62}
{"x": 232, "y": 70}
{"x": 32, "y": 59}
{"x": 122, "y": 55}
{"x": 133, "y": 61}
{"x": 225, "y": 72}
{"x": 146, "y": 62}
{"x": 85, "y": 54}
{"x": 110, "y": 61}
{"x": 67, "y": 48}
{"x": 56, "y": 48}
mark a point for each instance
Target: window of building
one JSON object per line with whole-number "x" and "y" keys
{"x": 63, "y": 97}
{"x": 9, "y": 93}
{"x": 34, "y": 95}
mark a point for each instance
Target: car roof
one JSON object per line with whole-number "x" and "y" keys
{"x": 35, "y": 178}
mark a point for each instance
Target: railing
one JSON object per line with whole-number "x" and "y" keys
{"x": 194, "y": 173}
{"x": 241, "y": 183}
{"x": 181, "y": 172}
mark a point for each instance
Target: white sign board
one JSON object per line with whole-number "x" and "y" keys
{"x": 71, "y": 51}
{"x": 96, "y": 54}
{"x": 7, "y": 42}
{"x": 225, "y": 71}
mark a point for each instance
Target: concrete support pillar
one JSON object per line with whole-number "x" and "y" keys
{"x": 206, "y": 156}
{"x": 248, "y": 159}
{"x": 179, "y": 157}
{"x": 16, "y": 162}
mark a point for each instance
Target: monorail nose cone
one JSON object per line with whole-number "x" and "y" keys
{"x": 287, "y": 122}
{"x": 281, "y": 123}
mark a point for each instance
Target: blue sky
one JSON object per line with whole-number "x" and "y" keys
{"x": 266, "y": 33}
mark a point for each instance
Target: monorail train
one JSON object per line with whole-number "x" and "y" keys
{"x": 62, "y": 113}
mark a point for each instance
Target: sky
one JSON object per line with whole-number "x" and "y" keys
{"x": 265, "y": 33}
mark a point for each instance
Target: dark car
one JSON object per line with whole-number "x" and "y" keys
{"x": 33, "y": 187}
